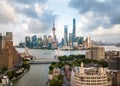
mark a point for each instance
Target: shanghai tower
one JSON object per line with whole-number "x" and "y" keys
{"x": 74, "y": 30}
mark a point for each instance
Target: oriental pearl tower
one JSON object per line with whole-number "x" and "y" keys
{"x": 53, "y": 29}
{"x": 54, "y": 41}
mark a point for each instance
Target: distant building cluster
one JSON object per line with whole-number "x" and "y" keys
{"x": 107, "y": 43}
{"x": 70, "y": 41}
{"x": 8, "y": 54}
{"x": 34, "y": 42}
{"x": 49, "y": 42}
{"x": 74, "y": 42}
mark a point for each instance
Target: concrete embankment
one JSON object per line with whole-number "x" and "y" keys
{"x": 19, "y": 75}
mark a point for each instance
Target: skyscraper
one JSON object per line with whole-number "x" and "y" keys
{"x": 87, "y": 43}
{"x": 74, "y": 30}
{"x": 39, "y": 42}
{"x": 49, "y": 42}
{"x": 54, "y": 41}
{"x": 70, "y": 39}
{"x": 34, "y": 41}
{"x": 65, "y": 35}
{"x": 54, "y": 32}
{"x": 45, "y": 41}
{"x": 81, "y": 40}
{"x": 27, "y": 41}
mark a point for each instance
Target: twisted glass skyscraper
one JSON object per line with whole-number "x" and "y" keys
{"x": 74, "y": 30}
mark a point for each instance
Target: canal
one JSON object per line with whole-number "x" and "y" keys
{"x": 36, "y": 76}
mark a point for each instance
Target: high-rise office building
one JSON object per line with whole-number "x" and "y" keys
{"x": 65, "y": 35}
{"x": 81, "y": 40}
{"x": 49, "y": 42}
{"x": 74, "y": 30}
{"x": 34, "y": 41}
{"x": 27, "y": 41}
{"x": 62, "y": 42}
{"x": 39, "y": 42}
{"x": 70, "y": 39}
{"x": 34, "y": 38}
{"x": 45, "y": 41}
{"x": 87, "y": 42}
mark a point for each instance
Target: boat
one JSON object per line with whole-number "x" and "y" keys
{"x": 46, "y": 53}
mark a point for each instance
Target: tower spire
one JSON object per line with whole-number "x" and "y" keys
{"x": 53, "y": 24}
{"x": 53, "y": 29}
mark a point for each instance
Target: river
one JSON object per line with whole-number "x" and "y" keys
{"x": 38, "y": 73}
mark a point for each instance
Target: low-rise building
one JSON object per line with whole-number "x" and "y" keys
{"x": 113, "y": 59}
{"x": 116, "y": 78}
{"x": 96, "y": 53}
{"x": 56, "y": 71}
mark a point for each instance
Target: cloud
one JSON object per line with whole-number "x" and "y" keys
{"x": 39, "y": 20}
{"x": 26, "y": 17}
{"x": 7, "y": 13}
{"x": 105, "y": 14}
{"x": 35, "y": 15}
{"x": 37, "y": 26}
{"x": 28, "y": 1}
{"x": 28, "y": 11}
{"x": 115, "y": 30}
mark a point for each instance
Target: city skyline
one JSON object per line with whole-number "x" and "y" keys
{"x": 93, "y": 18}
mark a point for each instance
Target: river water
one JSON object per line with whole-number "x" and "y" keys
{"x": 36, "y": 76}
{"x": 38, "y": 73}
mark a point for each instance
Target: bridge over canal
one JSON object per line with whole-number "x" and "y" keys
{"x": 43, "y": 61}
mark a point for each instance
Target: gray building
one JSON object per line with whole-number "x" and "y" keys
{"x": 70, "y": 39}
{"x": 65, "y": 35}
{"x": 74, "y": 30}
{"x": 45, "y": 41}
{"x": 27, "y": 41}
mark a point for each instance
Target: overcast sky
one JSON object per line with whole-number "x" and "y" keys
{"x": 99, "y": 19}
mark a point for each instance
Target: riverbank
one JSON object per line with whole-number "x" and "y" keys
{"x": 15, "y": 73}
{"x": 12, "y": 80}
{"x": 15, "y": 78}
{"x": 36, "y": 76}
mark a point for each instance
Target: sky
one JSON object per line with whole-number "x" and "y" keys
{"x": 99, "y": 19}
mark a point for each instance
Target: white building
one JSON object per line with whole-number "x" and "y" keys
{"x": 90, "y": 77}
